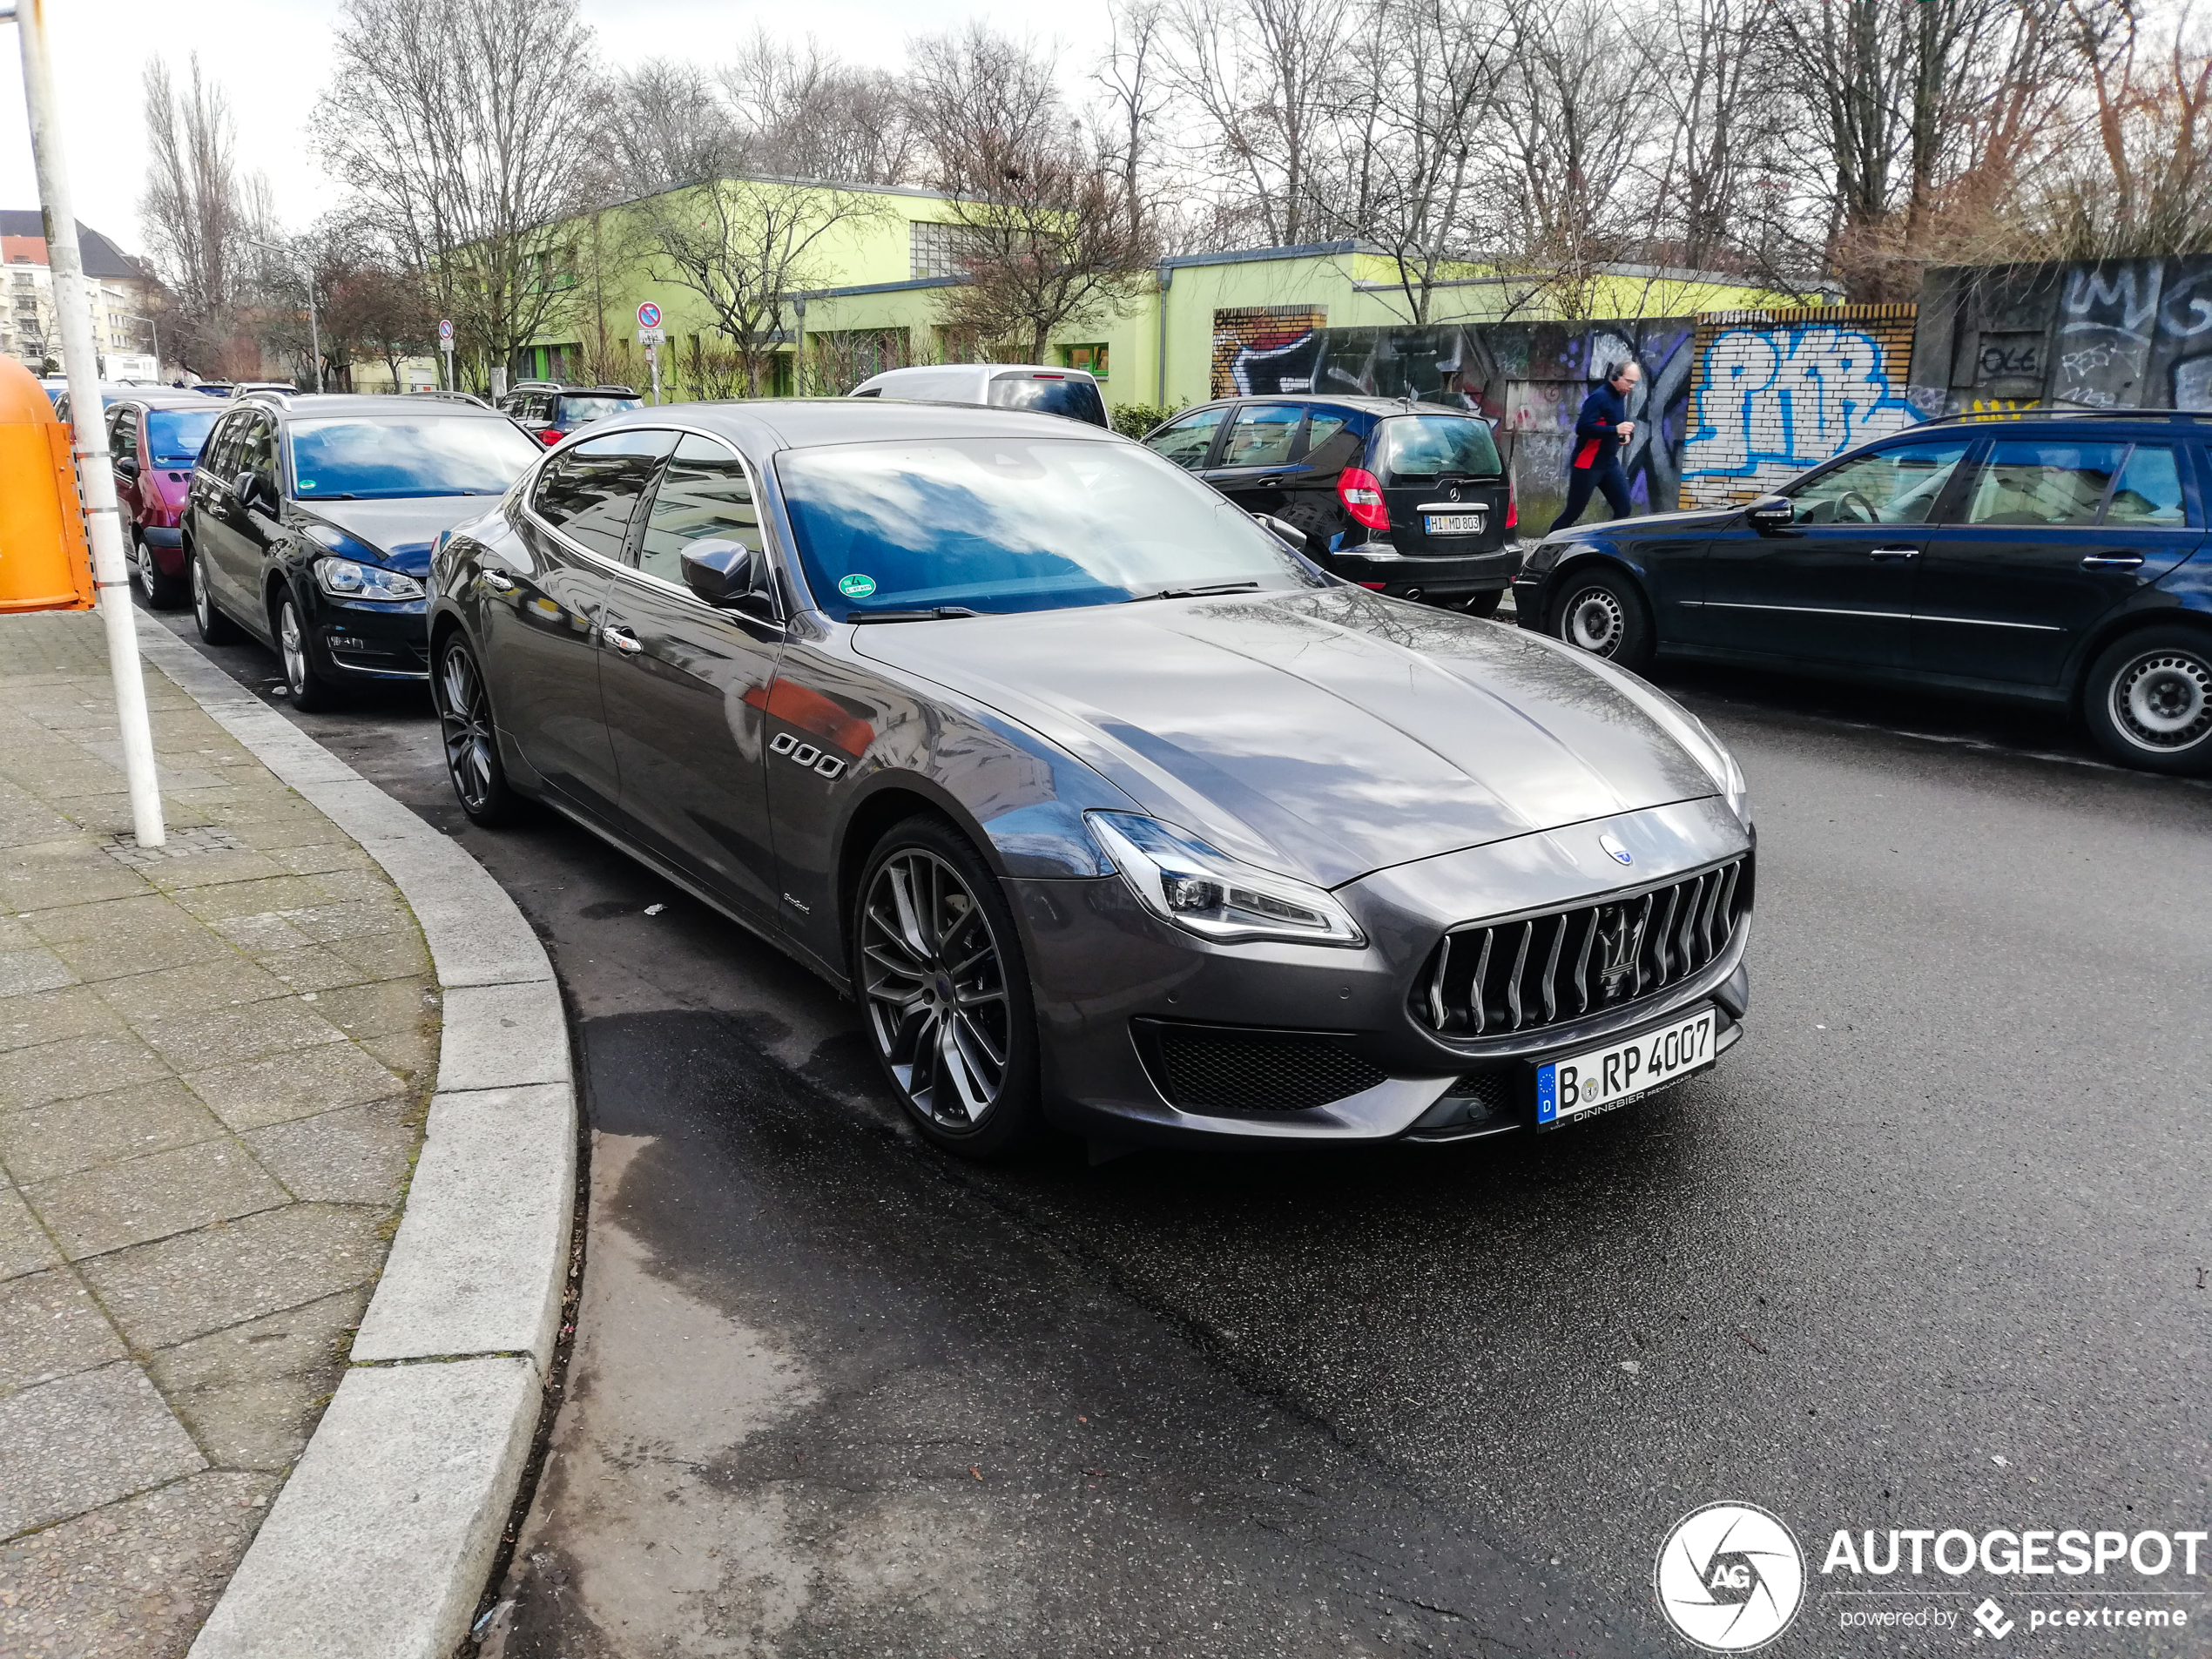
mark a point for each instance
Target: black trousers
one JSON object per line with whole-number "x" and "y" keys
{"x": 1606, "y": 475}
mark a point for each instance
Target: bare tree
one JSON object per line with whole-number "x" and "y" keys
{"x": 465, "y": 129}
{"x": 1134, "y": 94}
{"x": 805, "y": 114}
{"x": 1260, "y": 74}
{"x": 748, "y": 246}
{"x": 194, "y": 215}
{"x": 666, "y": 125}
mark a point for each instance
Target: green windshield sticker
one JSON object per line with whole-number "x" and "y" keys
{"x": 307, "y": 483}
{"x": 856, "y": 587}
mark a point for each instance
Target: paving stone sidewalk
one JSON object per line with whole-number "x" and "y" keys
{"x": 214, "y": 1063}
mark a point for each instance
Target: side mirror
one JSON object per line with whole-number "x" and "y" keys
{"x": 126, "y": 469}
{"x": 1771, "y": 515}
{"x": 1290, "y": 533}
{"x": 718, "y": 571}
{"x": 247, "y": 488}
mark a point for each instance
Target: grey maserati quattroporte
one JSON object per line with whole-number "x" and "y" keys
{"x": 1112, "y": 811}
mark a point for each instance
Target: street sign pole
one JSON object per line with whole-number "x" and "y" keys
{"x": 94, "y": 477}
{"x": 650, "y": 335}
{"x": 445, "y": 345}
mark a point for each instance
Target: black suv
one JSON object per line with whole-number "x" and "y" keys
{"x": 550, "y": 410}
{"x": 2053, "y": 557}
{"x": 1405, "y": 498}
{"x": 309, "y": 526}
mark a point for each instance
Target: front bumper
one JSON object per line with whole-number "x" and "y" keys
{"x": 359, "y": 641}
{"x": 1455, "y": 576}
{"x": 1110, "y": 978}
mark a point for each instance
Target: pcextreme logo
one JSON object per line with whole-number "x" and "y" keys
{"x": 1729, "y": 1577}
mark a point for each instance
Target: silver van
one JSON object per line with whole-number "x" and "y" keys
{"x": 1069, "y": 391}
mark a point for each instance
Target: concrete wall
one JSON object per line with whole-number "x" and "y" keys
{"x": 2123, "y": 334}
{"x": 1775, "y": 392}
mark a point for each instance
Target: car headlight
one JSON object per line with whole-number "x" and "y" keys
{"x": 1181, "y": 880}
{"x": 1729, "y": 775}
{"x": 347, "y": 579}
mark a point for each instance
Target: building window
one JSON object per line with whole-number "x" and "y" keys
{"x": 940, "y": 249}
{"x": 1091, "y": 358}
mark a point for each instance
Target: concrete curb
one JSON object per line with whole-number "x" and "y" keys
{"x": 380, "y": 1541}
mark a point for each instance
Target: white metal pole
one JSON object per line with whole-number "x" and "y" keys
{"x": 94, "y": 477}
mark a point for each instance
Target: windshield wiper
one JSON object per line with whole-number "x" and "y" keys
{"x": 931, "y": 615}
{"x": 1198, "y": 593}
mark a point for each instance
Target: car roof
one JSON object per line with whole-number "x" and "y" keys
{"x": 168, "y": 398}
{"x": 805, "y": 423}
{"x": 1364, "y": 405}
{"x": 314, "y": 405}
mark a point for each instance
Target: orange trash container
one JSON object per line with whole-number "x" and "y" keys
{"x": 45, "y": 563}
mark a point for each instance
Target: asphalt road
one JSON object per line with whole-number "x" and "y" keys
{"x": 1928, "y": 1250}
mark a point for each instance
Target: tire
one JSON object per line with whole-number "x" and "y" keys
{"x": 1485, "y": 604}
{"x": 310, "y": 690}
{"x": 162, "y": 592}
{"x": 1604, "y": 614}
{"x": 470, "y": 737}
{"x": 2148, "y": 701}
{"x": 944, "y": 990}
{"x": 215, "y": 628}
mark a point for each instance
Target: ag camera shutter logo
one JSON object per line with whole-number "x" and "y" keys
{"x": 1729, "y": 1577}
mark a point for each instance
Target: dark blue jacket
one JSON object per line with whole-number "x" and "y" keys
{"x": 1598, "y": 427}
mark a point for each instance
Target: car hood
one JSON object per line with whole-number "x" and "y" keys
{"x": 1328, "y": 734}
{"x": 403, "y": 530}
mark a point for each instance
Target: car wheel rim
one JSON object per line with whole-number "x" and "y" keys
{"x": 142, "y": 564}
{"x": 2163, "y": 701}
{"x": 465, "y": 714}
{"x": 1594, "y": 621}
{"x": 199, "y": 605}
{"x": 934, "y": 984}
{"x": 295, "y": 649}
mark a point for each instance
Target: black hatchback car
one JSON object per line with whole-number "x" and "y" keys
{"x": 309, "y": 525}
{"x": 552, "y": 410}
{"x": 1405, "y": 498}
{"x": 2045, "y": 556}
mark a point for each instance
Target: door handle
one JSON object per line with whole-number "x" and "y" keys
{"x": 1886, "y": 553}
{"x": 495, "y": 582}
{"x": 622, "y": 640}
{"x": 2111, "y": 561}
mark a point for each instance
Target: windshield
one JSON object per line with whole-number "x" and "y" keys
{"x": 177, "y": 434}
{"x": 358, "y": 459}
{"x": 578, "y": 411}
{"x": 1077, "y": 399}
{"x": 1420, "y": 448}
{"x": 1024, "y": 525}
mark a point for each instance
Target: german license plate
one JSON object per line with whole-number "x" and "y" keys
{"x": 1599, "y": 1079}
{"x": 1454, "y": 523}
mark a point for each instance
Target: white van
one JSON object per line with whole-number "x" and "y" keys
{"x": 1069, "y": 391}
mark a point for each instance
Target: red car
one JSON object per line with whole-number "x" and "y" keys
{"x": 155, "y": 439}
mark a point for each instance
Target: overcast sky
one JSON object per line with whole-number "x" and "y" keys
{"x": 273, "y": 55}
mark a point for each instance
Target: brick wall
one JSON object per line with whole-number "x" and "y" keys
{"x": 1775, "y": 392}
{"x": 1243, "y": 333}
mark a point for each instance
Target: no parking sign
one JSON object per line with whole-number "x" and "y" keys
{"x": 648, "y": 314}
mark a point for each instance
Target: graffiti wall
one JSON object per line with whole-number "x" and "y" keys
{"x": 1776, "y": 392}
{"x": 2123, "y": 334}
{"x": 1527, "y": 379}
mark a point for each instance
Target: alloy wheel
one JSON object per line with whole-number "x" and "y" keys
{"x": 933, "y": 981}
{"x": 2162, "y": 700}
{"x": 1595, "y": 620}
{"x": 464, "y": 718}
{"x": 294, "y": 647}
{"x": 203, "y": 607}
{"x": 142, "y": 567}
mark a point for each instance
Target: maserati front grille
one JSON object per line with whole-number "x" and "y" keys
{"x": 1491, "y": 978}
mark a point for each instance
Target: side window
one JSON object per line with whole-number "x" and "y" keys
{"x": 2051, "y": 481}
{"x": 123, "y": 436}
{"x": 257, "y": 451}
{"x": 704, "y": 494}
{"x": 222, "y": 449}
{"x": 2149, "y": 494}
{"x": 1186, "y": 443}
{"x": 1334, "y": 440}
{"x": 589, "y": 493}
{"x": 1898, "y": 486}
{"x": 1263, "y": 434}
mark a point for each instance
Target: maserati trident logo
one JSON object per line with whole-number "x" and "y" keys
{"x": 1619, "y": 940}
